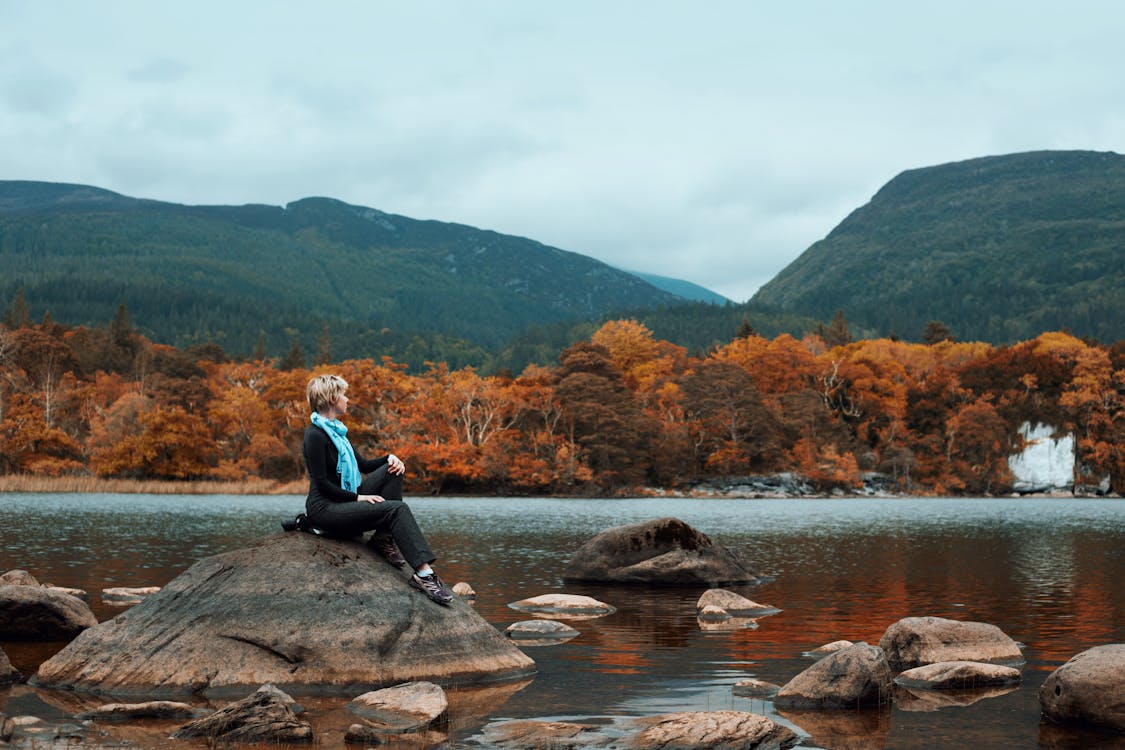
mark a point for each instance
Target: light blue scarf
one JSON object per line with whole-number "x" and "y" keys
{"x": 347, "y": 466}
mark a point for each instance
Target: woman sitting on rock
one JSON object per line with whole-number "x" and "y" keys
{"x": 342, "y": 502}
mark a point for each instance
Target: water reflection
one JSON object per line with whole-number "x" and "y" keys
{"x": 1047, "y": 572}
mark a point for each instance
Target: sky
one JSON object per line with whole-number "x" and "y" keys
{"x": 706, "y": 141}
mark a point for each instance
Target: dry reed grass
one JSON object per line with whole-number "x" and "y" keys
{"x": 29, "y": 483}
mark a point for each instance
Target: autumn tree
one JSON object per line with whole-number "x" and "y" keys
{"x": 733, "y": 431}
{"x": 602, "y": 417}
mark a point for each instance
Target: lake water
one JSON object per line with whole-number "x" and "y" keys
{"x": 1048, "y": 572}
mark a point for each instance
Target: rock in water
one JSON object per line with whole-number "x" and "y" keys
{"x": 663, "y": 551}
{"x": 853, "y": 677}
{"x": 711, "y": 729}
{"x": 1089, "y": 689}
{"x": 264, "y": 716}
{"x": 918, "y": 641}
{"x": 35, "y": 613}
{"x": 303, "y": 612}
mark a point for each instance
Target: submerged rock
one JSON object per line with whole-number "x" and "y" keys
{"x": 34, "y": 613}
{"x": 540, "y": 630}
{"x": 853, "y": 677}
{"x": 711, "y": 729}
{"x": 297, "y": 610}
{"x": 754, "y": 688}
{"x": 917, "y": 641}
{"x": 662, "y": 551}
{"x": 531, "y": 733}
{"x": 1089, "y": 689}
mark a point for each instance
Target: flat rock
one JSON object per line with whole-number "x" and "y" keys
{"x": 77, "y": 593}
{"x": 853, "y": 677}
{"x": 127, "y": 596}
{"x": 754, "y": 688}
{"x": 732, "y": 603}
{"x": 530, "y": 733}
{"x": 958, "y": 675}
{"x": 663, "y": 551}
{"x": 917, "y": 641}
{"x": 145, "y": 710}
{"x": 540, "y": 630}
{"x": 711, "y": 729}
{"x": 34, "y": 613}
{"x": 263, "y": 716}
{"x": 1088, "y": 690}
{"x": 564, "y": 605}
{"x": 409, "y": 707}
{"x": 301, "y": 611}
{"x": 16, "y": 577}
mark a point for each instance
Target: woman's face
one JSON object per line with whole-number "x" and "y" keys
{"x": 341, "y": 403}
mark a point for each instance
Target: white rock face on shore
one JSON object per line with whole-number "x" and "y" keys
{"x": 1046, "y": 463}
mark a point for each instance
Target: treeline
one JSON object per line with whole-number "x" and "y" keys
{"x": 618, "y": 411}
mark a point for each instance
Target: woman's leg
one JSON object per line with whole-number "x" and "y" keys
{"x": 396, "y": 518}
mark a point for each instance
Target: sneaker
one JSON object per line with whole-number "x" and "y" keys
{"x": 433, "y": 587}
{"x": 385, "y": 545}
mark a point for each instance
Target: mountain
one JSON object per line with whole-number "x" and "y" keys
{"x": 681, "y": 288}
{"x": 999, "y": 249}
{"x": 377, "y": 283}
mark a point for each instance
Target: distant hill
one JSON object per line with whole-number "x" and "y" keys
{"x": 999, "y": 249}
{"x": 378, "y": 283}
{"x": 681, "y": 288}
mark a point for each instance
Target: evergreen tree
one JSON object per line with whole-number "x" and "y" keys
{"x": 936, "y": 332}
{"x": 836, "y": 333}
{"x": 295, "y": 358}
{"x": 17, "y": 315}
{"x": 260, "y": 347}
{"x": 324, "y": 347}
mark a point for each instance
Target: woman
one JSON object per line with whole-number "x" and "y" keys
{"x": 342, "y": 502}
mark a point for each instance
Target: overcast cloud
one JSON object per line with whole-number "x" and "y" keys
{"x": 707, "y": 141}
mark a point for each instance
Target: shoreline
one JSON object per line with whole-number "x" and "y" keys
{"x": 748, "y": 488}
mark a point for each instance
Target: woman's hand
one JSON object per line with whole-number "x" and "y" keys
{"x": 395, "y": 464}
{"x": 370, "y": 498}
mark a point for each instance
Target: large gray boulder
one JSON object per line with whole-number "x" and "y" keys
{"x": 663, "y": 551}
{"x": 300, "y": 611}
{"x": 917, "y": 641}
{"x": 1089, "y": 689}
{"x": 36, "y": 613}
{"x": 853, "y": 677}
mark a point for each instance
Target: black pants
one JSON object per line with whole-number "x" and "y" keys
{"x": 390, "y": 517}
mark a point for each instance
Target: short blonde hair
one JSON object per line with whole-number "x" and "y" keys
{"x": 324, "y": 390}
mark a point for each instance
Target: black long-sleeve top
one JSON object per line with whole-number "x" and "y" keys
{"x": 321, "y": 458}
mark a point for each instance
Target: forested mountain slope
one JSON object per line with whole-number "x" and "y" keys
{"x": 378, "y": 283}
{"x": 999, "y": 249}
